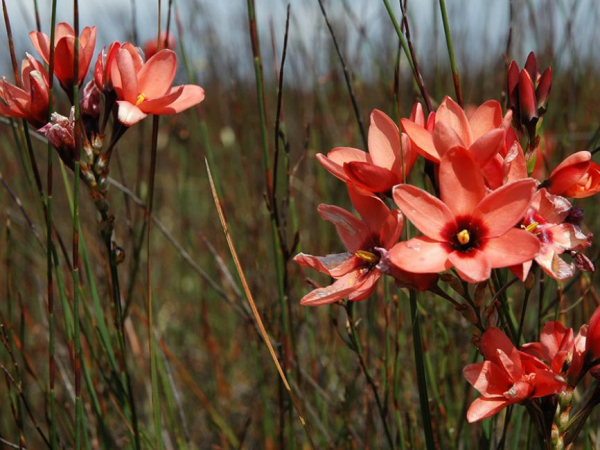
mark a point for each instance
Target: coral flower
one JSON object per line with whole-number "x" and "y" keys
{"x": 144, "y": 89}
{"x": 32, "y": 101}
{"x": 357, "y": 270}
{"x": 507, "y": 376}
{"x": 388, "y": 162}
{"x": 166, "y": 41}
{"x": 102, "y": 69}
{"x": 592, "y": 345}
{"x": 576, "y": 177}
{"x": 466, "y": 229}
{"x": 559, "y": 348}
{"x": 549, "y": 219}
{"x": 482, "y": 133}
{"x": 64, "y": 49}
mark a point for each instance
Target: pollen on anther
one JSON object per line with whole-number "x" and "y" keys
{"x": 463, "y": 237}
{"x": 140, "y": 99}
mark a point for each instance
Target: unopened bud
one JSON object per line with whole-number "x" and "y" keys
{"x": 479, "y": 294}
{"x": 90, "y": 100}
{"x": 582, "y": 262}
{"x": 530, "y": 281}
{"x": 453, "y": 282}
{"x": 468, "y": 313}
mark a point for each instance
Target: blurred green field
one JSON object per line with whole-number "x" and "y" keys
{"x": 218, "y": 386}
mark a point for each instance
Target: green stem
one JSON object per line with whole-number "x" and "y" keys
{"x": 420, "y": 363}
{"x": 453, "y": 67}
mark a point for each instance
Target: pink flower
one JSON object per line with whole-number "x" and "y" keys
{"x": 64, "y": 48}
{"x": 166, "y": 42}
{"x": 59, "y": 132}
{"x": 466, "y": 229}
{"x": 145, "y": 88}
{"x": 482, "y": 134}
{"x": 102, "y": 69}
{"x": 388, "y": 162}
{"x": 548, "y": 220}
{"x": 32, "y": 102}
{"x": 357, "y": 270}
{"x": 507, "y": 376}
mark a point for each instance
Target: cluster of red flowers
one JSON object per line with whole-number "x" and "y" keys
{"x": 484, "y": 211}
{"x": 124, "y": 86}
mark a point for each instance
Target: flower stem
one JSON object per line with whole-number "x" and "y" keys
{"x": 420, "y": 363}
{"x": 453, "y": 67}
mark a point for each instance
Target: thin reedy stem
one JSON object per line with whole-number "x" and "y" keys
{"x": 38, "y": 24}
{"x": 420, "y": 366}
{"x": 75, "y": 256}
{"x": 416, "y": 74}
{"x": 275, "y": 239}
{"x": 455, "y": 77}
{"x": 49, "y": 236}
{"x": 256, "y": 314}
{"x": 370, "y": 381}
{"x": 150, "y": 307}
{"x": 346, "y": 76}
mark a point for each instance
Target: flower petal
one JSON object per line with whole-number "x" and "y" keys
{"x": 125, "y": 81}
{"x": 487, "y": 146}
{"x": 129, "y": 114}
{"x": 335, "y": 159}
{"x": 335, "y": 292}
{"x": 429, "y": 214}
{"x": 336, "y": 265}
{"x": 472, "y": 267}
{"x": 421, "y": 140}
{"x": 384, "y": 140}
{"x": 492, "y": 341}
{"x": 505, "y": 207}
{"x": 352, "y": 231}
{"x": 514, "y": 247}
{"x": 461, "y": 181}
{"x": 370, "y": 177}
{"x": 157, "y": 74}
{"x": 453, "y": 115}
{"x": 482, "y": 408}
{"x": 421, "y": 255}
{"x": 487, "y": 117}
{"x": 187, "y": 96}
{"x": 366, "y": 286}
{"x": 487, "y": 378}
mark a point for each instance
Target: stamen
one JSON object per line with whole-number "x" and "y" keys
{"x": 367, "y": 256}
{"x": 140, "y": 99}
{"x": 531, "y": 227}
{"x": 463, "y": 237}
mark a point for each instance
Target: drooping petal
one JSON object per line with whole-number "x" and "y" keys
{"x": 421, "y": 140}
{"x": 429, "y": 214}
{"x": 461, "y": 181}
{"x": 505, "y": 207}
{"x": 352, "y": 231}
{"x": 336, "y": 265}
{"x": 157, "y": 74}
{"x": 129, "y": 114}
{"x": 155, "y": 105}
{"x": 421, "y": 255}
{"x": 453, "y": 115}
{"x": 482, "y": 408}
{"x": 568, "y": 172}
{"x": 514, "y": 247}
{"x": 335, "y": 292}
{"x": 487, "y": 117}
{"x": 472, "y": 267}
{"x": 384, "y": 140}
{"x": 366, "y": 286}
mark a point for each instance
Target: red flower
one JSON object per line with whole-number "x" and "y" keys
{"x": 102, "y": 69}
{"x": 367, "y": 241}
{"x": 64, "y": 47}
{"x": 507, "y": 376}
{"x": 388, "y": 162}
{"x": 31, "y": 102}
{"x": 482, "y": 133}
{"x": 576, "y": 177}
{"x": 466, "y": 229}
{"x": 145, "y": 88}
{"x": 592, "y": 343}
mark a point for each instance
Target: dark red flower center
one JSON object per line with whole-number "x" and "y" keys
{"x": 466, "y": 234}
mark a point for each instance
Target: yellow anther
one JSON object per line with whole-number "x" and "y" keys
{"x": 367, "y": 256}
{"x": 531, "y": 227}
{"x": 140, "y": 99}
{"x": 463, "y": 237}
